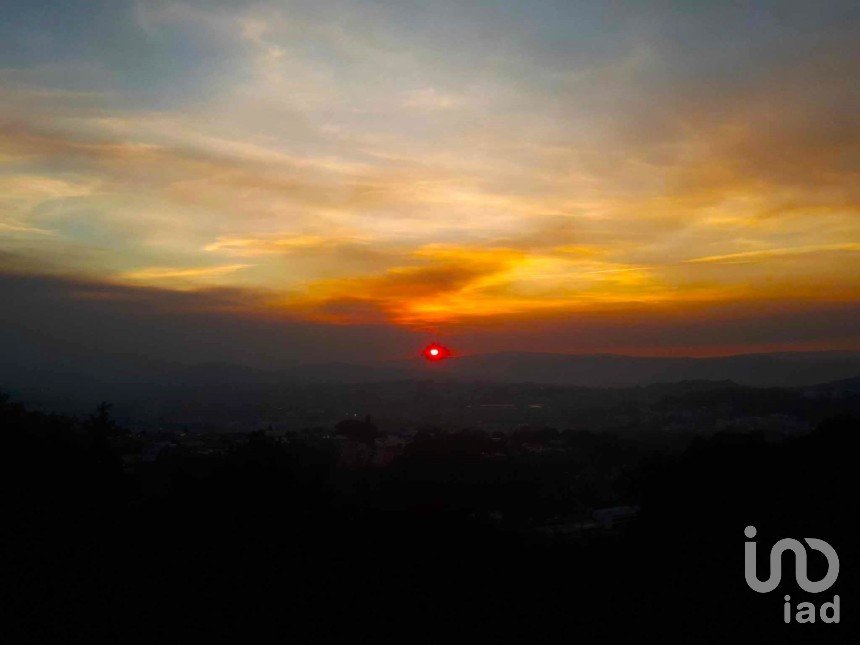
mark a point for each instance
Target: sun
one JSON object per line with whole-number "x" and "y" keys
{"x": 436, "y": 352}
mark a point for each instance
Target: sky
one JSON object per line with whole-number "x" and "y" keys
{"x": 354, "y": 178}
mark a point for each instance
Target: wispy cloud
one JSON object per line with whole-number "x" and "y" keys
{"x": 431, "y": 99}
{"x": 11, "y": 227}
{"x": 768, "y": 254}
{"x": 177, "y": 276}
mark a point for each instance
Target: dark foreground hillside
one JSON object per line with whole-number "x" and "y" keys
{"x": 462, "y": 535}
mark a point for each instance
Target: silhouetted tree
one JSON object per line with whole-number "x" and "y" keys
{"x": 357, "y": 430}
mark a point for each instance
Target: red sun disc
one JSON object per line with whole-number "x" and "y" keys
{"x": 436, "y": 352}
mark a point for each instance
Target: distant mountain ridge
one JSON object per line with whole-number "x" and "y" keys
{"x": 228, "y": 396}
{"x": 784, "y": 369}
{"x": 613, "y": 370}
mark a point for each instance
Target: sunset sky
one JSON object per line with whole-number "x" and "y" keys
{"x": 642, "y": 177}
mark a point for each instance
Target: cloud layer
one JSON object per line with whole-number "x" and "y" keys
{"x": 440, "y": 167}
